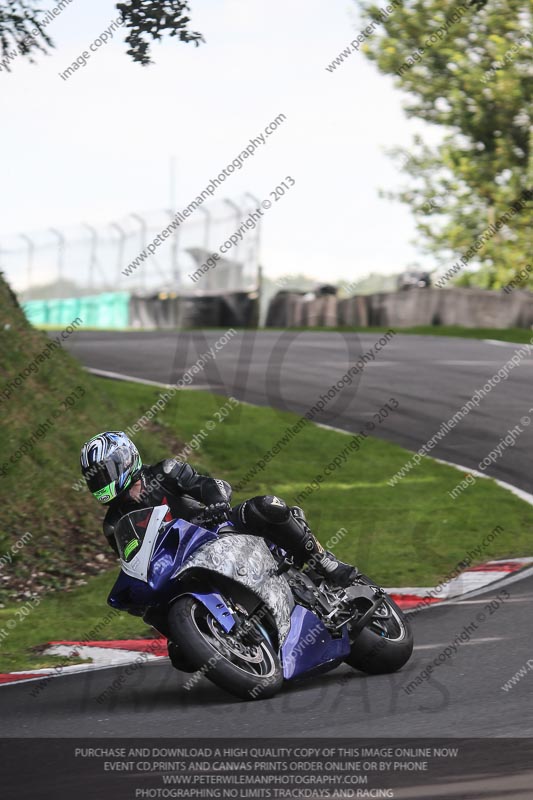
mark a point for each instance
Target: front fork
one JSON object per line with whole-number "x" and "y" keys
{"x": 217, "y": 607}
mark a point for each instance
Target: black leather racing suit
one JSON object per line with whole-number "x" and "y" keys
{"x": 178, "y": 485}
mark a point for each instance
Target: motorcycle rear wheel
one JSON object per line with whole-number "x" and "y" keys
{"x": 385, "y": 645}
{"x": 251, "y": 672}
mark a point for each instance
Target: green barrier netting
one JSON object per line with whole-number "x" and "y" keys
{"x": 110, "y": 310}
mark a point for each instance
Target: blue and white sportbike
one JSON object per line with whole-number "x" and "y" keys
{"x": 239, "y": 610}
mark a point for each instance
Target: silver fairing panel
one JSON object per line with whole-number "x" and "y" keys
{"x": 247, "y": 560}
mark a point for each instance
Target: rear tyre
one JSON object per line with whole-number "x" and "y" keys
{"x": 385, "y": 644}
{"x": 248, "y": 671}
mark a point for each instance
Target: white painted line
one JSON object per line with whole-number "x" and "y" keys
{"x": 511, "y": 560}
{"x": 486, "y": 640}
{"x": 102, "y": 373}
{"x": 512, "y": 578}
{"x": 525, "y": 496}
{"x": 499, "y": 583}
{"x": 524, "y": 599}
{"x": 499, "y": 343}
{"x": 120, "y": 377}
{"x": 49, "y": 673}
{"x": 470, "y": 363}
{"x": 465, "y": 583}
{"x": 528, "y": 498}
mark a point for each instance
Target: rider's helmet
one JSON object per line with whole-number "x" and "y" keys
{"x": 110, "y": 463}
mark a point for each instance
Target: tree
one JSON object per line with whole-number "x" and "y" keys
{"x": 468, "y": 69}
{"x": 153, "y": 18}
{"x": 145, "y": 20}
{"x": 18, "y": 19}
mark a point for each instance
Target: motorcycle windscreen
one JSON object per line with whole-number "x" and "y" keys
{"x": 130, "y": 532}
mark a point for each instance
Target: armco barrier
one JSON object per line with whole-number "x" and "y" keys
{"x": 469, "y": 308}
{"x": 110, "y": 310}
{"x": 122, "y": 310}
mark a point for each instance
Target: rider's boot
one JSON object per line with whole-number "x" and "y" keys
{"x": 322, "y": 561}
{"x": 337, "y": 572}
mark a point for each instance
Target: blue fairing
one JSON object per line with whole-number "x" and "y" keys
{"x": 166, "y": 559}
{"x": 308, "y": 648}
{"x": 215, "y": 603}
{"x": 176, "y": 542}
{"x": 129, "y": 594}
{"x": 310, "y": 645}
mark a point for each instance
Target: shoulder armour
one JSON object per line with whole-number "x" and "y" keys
{"x": 179, "y": 471}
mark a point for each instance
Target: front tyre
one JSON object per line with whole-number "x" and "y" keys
{"x": 248, "y": 671}
{"x": 385, "y": 644}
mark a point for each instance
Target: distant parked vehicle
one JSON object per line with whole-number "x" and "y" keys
{"x": 413, "y": 279}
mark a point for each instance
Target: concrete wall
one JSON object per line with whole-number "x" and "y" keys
{"x": 469, "y": 308}
{"x": 231, "y": 309}
{"x": 289, "y": 309}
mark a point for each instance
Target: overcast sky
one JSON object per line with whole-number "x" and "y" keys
{"x": 98, "y": 146}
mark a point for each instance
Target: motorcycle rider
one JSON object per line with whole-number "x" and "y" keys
{"x": 116, "y": 476}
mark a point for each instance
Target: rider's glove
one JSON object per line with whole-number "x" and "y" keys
{"x": 216, "y": 513}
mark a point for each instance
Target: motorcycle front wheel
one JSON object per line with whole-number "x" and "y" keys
{"x": 249, "y": 670}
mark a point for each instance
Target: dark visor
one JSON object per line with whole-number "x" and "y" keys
{"x": 98, "y": 476}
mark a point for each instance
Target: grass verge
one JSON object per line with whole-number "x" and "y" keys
{"x": 409, "y": 534}
{"x": 514, "y": 335}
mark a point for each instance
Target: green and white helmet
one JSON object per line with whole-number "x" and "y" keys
{"x": 110, "y": 463}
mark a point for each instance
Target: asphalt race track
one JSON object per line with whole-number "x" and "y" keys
{"x": 463, "y": 697}
{"x": 431, "y": 377}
